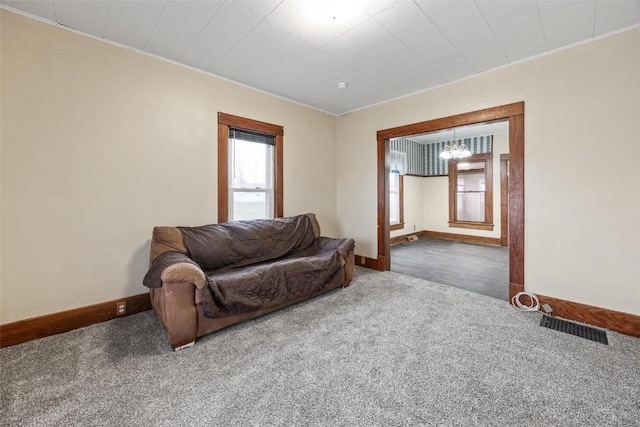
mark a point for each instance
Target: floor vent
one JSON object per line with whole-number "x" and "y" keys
{"x": 576, "y": 329}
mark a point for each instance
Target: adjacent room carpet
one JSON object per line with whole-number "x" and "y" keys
{"x": 390, "y": 350}
{"x": 483, "y": 269}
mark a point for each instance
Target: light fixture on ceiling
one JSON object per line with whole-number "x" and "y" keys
{"x": 454, "y": 150}
{"x": 342, "y": 85}
{"x": 332, "y": 12}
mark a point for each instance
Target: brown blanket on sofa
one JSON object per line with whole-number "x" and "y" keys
{"x": 297, "y": 276}
{"x": 241, "y": 243}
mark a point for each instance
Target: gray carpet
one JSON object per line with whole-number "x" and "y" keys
{"x": 483, "y": 269}
{"x": 390, "y": 350}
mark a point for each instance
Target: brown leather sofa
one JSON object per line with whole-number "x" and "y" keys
{"x": 206, "y": 278}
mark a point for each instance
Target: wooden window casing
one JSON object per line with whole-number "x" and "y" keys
{"x": 456, "y": 222}
{"x": 400, "y": 224}
{"x": 227, "y": 121}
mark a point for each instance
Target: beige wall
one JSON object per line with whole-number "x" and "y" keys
{"x": 100, "y": 144}
{"x": 581, "y": 207}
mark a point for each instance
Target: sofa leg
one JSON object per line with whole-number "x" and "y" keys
{"x": 183, "y": 346}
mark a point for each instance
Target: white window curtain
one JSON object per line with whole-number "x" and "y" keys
{"x": 398, "y": 162}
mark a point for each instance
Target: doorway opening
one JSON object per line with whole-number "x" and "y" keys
{"x": 514, "y": 113}
{"x": 451, "y": 228}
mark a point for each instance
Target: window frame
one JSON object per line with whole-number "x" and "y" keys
{"x": 227, "y": 121}
{"x": 487, "y": 224}
{"x": 400, "y": 224}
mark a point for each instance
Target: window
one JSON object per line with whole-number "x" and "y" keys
{"x": 250, "y": 175}
{"x": 249, "y": 169}
{"x": 398, "y": 167}
{"x": 471, "y": 192}
{"x": 396, "y": 201}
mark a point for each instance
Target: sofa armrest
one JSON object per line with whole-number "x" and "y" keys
{"x": 346, "y": 249}
{"x": 174, "y": 267}
{"x": 343, "y": 246}
{"x": 184, "y": 272}
{"x": 348, "y": 245}
{"x": 175, "y": 307}
{"x": 174, "y": 280}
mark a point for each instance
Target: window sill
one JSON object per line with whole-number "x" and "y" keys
{"x": 473, "y": 225}
{"x": 398, "y": 226}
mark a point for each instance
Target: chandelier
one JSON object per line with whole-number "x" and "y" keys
{"x": 454, "y": 150}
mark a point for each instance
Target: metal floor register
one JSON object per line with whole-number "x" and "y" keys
{"x": 576, "y": 329}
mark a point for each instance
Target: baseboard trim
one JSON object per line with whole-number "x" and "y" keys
{"x": 65, "y": 321}
{"x": 462, "y": 237}
{"x": 617, "y": 321}
{"x": 403, "y": 238}
{"x": 373, "y": 264}
{"x": 624, "y": 323}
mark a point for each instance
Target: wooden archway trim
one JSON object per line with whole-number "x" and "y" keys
{"x": 512, "y": 112}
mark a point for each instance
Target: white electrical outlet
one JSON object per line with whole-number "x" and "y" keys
{"x": 121, "y": 308}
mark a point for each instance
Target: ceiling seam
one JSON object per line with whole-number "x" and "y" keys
{"x": 155, "y": 25}
{"x": 106, "y": 21}
{"x": 200, "y": 32}
{"x": 595, "y": 16}
{"x": 544, "y": 36}
{"x": 264, "y": 18}
{"x": 492, "y": 32}
{"x": 447, "y": 39}
{"x": 390, "y": 64}
{"x": 408, "y": 47}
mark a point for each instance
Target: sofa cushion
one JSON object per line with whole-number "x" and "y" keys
{"x": 240, "y": 243}
{"x": 260, "y": 286}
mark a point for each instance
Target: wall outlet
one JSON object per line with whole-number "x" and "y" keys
{"x": 414, "y": 228}
{"x": 363, "y": 260}
{"x": 121, "y": 308}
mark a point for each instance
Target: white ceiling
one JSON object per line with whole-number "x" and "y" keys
{"x": 391, "y": 48}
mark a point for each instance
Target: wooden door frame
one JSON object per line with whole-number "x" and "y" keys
{"x": 504, "y": 200}
{"x": 512, "y": 112}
